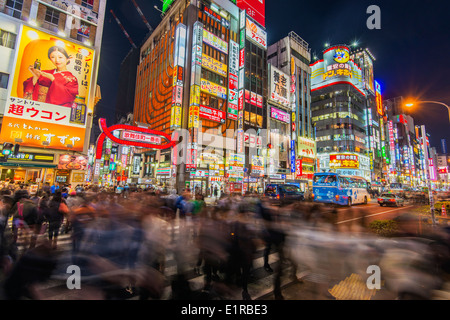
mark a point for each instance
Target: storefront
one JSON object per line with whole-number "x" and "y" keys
{"x": 28, "y": 168}
{"x": 163, "y": 176}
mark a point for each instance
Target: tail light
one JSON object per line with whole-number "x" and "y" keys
{"x": 312, "y": 195}
{"x": 392, "y": 200}
{"x": 337, "y": 197}
{"x": 278, "y": 196}
{"x": 380, "y": 199}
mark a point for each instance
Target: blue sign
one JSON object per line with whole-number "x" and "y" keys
{"x": 292, "y": 156}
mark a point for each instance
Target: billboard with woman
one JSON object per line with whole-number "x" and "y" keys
{"x": 50, "y": 90}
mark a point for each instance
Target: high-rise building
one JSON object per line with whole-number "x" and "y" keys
{"x": 404, "y": 149}
{"x": 365, "y": 60}
{"x": 50, "y": 53}
{"x": 339, "y": 113}
{"x": 201, "y": 75}
{"x": 292, "y": 56}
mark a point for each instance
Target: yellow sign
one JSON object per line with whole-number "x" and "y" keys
{"x": 51, "y": 69}
{"x": 213, "y": 89}
{"x": 49, "y": 98}
{"x": 214, "y": 65}
{"x": 175, "y": 117}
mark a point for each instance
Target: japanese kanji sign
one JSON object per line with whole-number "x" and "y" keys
{"x": 279, "y": 87}
{"x": 50, "y": 92}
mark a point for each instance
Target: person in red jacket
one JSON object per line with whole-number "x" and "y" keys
{"x": 57, "y": 86}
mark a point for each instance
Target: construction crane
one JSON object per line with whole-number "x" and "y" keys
{"x": 142, "y": 16}
{"x": 123, "y": 29}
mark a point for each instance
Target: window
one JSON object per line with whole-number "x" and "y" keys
{"x": 7, "y": 39}
{"x": 14, "y": 8}
{"x": 4, "y": 77}
{"x": 52, "y": 16}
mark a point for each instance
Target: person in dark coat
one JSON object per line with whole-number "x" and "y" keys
{"x": 25, "y": 215}
{"x": 54, "y": 215}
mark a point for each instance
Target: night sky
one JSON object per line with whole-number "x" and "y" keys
{"x": 411, "y": 48}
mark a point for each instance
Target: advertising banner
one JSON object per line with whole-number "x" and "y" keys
{"x": 49, "y": 92}
{"x": 214, "y": 65}
{"x": 72, "y": 162}
{"x": 344, "y": 161}
{"x": 306, "y": 148}
{"x": 258, "y": 165}
{"x": 336, "y": 67}
{"x": 212, "y": 114}
{"x": 213, "y": 89}
{"x": 280, "y": 115}
{"x": 378, "y": 98}
{"x": 178, "y": 72}
{"x": 298, "y": 168}
{"x": 256, "y": 9}
{"x": 256, "y": 33}
{"x": 280, "y": 87}
{"x": 215, "y": 41}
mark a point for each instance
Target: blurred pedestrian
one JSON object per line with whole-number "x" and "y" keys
{"x": 25, "y": 216}
{"x": 54, "y": 215}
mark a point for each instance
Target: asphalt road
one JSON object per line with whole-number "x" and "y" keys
{"x": 363, "y": 215}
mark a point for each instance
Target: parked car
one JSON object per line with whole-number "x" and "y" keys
{"x": 391, "y": 199}
{"x": 282, "y": 194}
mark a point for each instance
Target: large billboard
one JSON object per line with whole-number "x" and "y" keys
{"x": 47, "y": 104}
{"x": 256, "y": 33}
{"x": 378, "y": 98}
{"x": 336, "y": 67}
{"x": 255, "y": 9}
{"x": 280, "y": 87}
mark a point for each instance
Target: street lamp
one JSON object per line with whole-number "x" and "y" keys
{"x": 435, "y": 102}
{"x": 425, "y": 152}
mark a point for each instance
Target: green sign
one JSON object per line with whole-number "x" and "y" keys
{"x": 166, "y": 5}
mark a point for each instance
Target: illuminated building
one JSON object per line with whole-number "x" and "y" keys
{"x": 51, "y": 127}
{"x": 292, "y": 56}
{"x": 364, "y": 59}
{"x": 338, "y": 106}
{"x": 202, "y": 70}
{"x": 404, "y": 147}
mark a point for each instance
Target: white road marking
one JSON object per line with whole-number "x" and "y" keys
{"x": 372, "y": 215}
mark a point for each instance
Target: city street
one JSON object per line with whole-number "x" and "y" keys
{"x": 304, "y": 283}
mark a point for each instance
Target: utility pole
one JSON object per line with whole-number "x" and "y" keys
{"x": 427, "y": 174}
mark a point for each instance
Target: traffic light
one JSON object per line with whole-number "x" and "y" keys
{"x": 7, "y": 149}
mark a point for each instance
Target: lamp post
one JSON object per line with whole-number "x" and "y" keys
{"x": 435, "y": 102}
{"x": 425, "y": 153}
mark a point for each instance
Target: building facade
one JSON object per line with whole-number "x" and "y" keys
{"x": 339, "y": 112}
{"x": 202, "y": 79}
{"x": 404, "y": 147}
{"x": 292, "y": 56}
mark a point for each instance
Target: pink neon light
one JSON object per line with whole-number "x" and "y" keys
{"x": 107, "y": 132}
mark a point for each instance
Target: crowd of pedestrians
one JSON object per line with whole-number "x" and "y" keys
{"x": 121, "y": 242}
